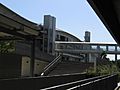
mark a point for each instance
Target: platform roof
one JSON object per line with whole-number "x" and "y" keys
{"x": 109, "y": 13}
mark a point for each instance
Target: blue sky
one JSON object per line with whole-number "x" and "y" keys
{"x": 73, "y": 16}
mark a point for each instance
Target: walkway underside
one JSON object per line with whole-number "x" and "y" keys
{"x": 109, "y": 12}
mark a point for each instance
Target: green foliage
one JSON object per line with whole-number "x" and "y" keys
{"x": 103, "y": 54}
{"x": 110, "y": 68}
{"x": 104, "y": 69}
{"x": 7, "y": 46}
{"x": 118, "y": 63}
{"x": 91, "y": 71}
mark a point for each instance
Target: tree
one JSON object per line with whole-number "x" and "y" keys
{"x": 103, "y": 55}
{"x": 7, "y": 47}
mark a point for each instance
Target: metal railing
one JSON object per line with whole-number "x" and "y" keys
{"x": 51, "y": 65}
{"x": 86, "y": 47}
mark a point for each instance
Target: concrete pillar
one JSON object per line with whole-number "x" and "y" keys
{"x": 90, "y": 57}
{"x": 115, "y": 57}
{"x": 95, "y": 65}
{"x": 98, "y": 47}
{"x": 115, "y": 51}
{"x": 106, "y": 47}
{"x": 32, "y": 58}
{"x": 115, "y": 48}
{"x": 86, "y": 57}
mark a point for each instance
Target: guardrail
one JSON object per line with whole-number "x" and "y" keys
{"x": 51, "y": 65}
{"x": 108, "y": 82}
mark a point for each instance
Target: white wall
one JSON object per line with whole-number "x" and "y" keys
{"x": 25, "y": 67}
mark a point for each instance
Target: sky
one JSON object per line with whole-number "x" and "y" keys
{"x": 73, "y": 16}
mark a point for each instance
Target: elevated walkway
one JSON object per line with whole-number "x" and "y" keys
{"x": 91, "y": 49}
{"x": 86, "y": 47}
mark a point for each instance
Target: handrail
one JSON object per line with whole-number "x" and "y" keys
{"x": 51, "y": 65}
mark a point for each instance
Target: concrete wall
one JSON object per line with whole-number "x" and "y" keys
{"x": 10, "y": 66}
{"x": 39, "y": 66}
{"x": 25, "y": 50}
{"x": 13, "y": 66}
{"x": 38, "y": 83}
{"x": 25, "y": 68}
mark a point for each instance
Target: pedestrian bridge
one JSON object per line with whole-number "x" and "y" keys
{"x": 87, "y": 48}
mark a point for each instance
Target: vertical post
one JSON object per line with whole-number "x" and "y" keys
{"x": 98, "y": 47}
{"x": 43, "y": 39}
{"x": 107, "y": 48}
{"x": 32, "y": 58}
{"x": 116, "y": 53}
{"x": 95, "y": 65}
{"x": 115, "y": 57}
{"x": 90, "y": 57}
{"x": 86, "y": 57}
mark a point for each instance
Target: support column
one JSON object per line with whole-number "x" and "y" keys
{"x": 98, "y": 47}
{"x": 115, "y": 57}
{"x": 115, "y": 51}
{"x": 86, "y": 57}
{"x": 106, "y": 47}
{"x": 90, "y": 57}
{"x": 95, "y": 65}
{"x": 32, "y": 58}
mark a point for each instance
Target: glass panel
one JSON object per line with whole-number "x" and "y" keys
{"x": 103, "y": 48}
{"x": 94, "y": 47}
{"x": 111, "y": 48}
{"x": 118, "y": 48}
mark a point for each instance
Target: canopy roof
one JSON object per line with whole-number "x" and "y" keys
{"x": 109, "y": 12}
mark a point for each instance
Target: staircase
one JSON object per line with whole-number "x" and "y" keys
{"x": 51, "y": 66}
{"x": 69, "y": 67}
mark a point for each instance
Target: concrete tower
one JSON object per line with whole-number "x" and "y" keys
{"x": 50, "y": 26}
{"x": 87, "y": 39}
{"x": 87, "y": 36}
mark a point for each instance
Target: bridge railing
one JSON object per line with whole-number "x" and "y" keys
{"x": 92, "y": 47}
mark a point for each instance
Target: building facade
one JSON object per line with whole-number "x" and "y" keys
{"x": 61, "y": 35}
{"x": 44, "y": 37}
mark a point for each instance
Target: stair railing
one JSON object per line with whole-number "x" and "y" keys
{"x": 51, "y": 65}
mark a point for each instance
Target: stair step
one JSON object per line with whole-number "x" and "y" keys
{"x": 70, "y": 67}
